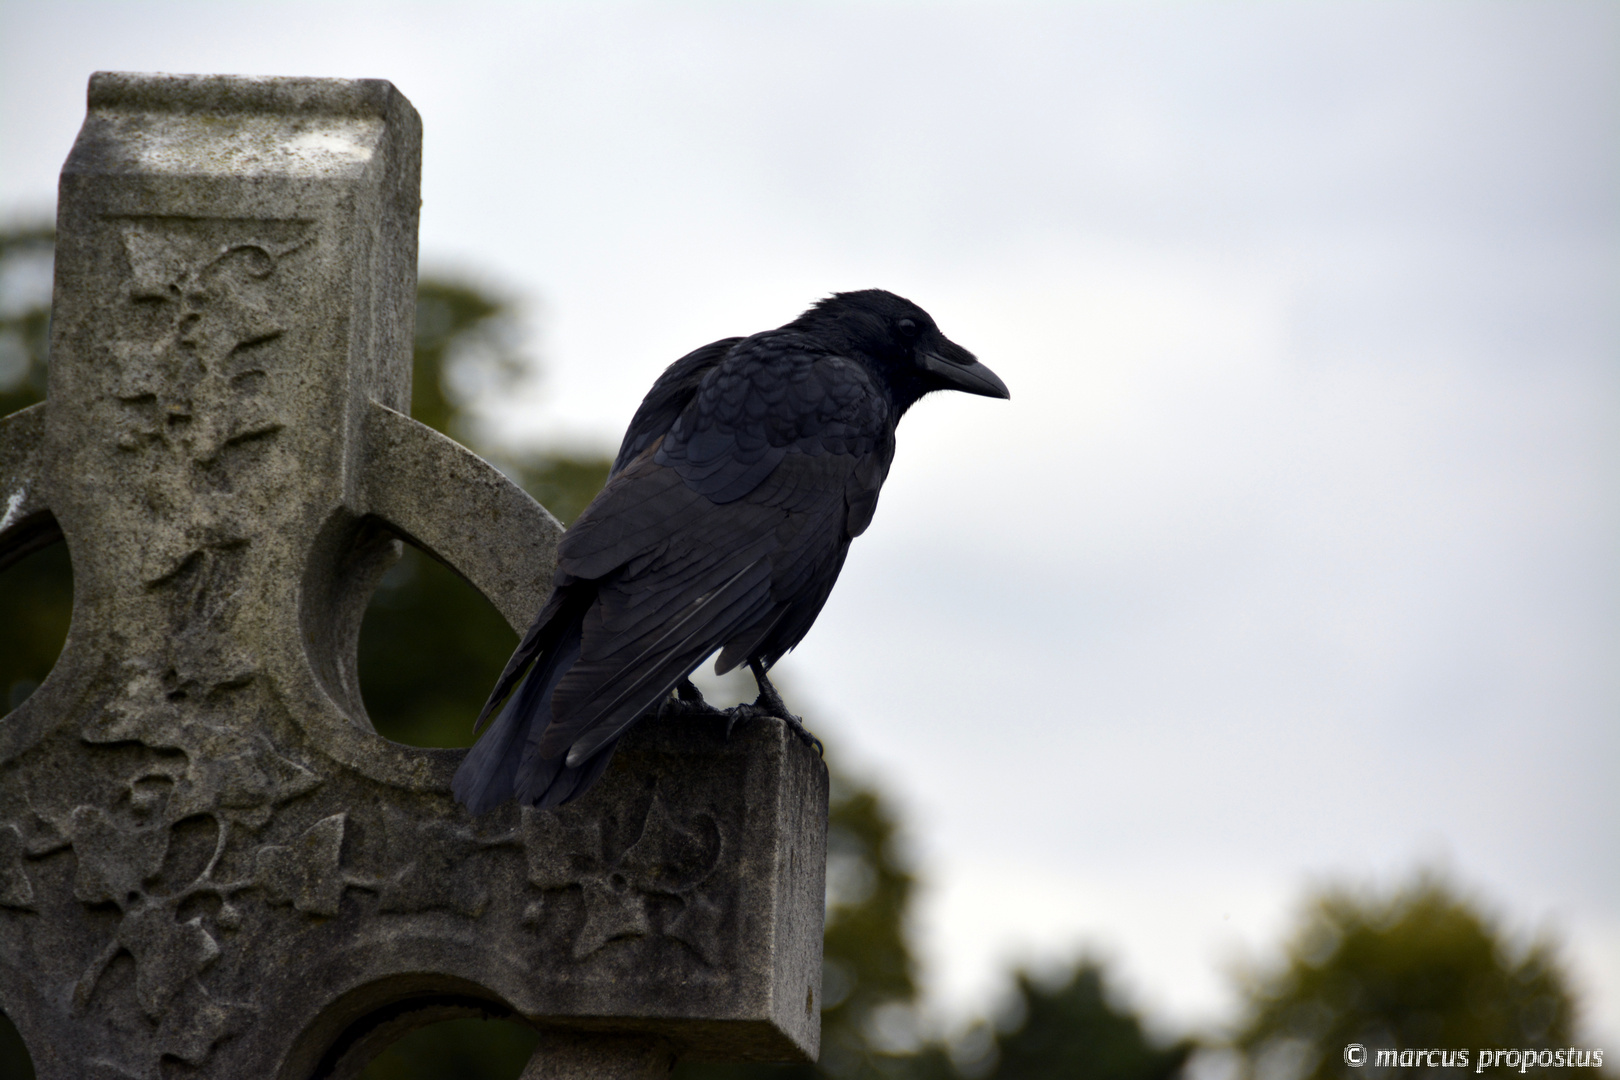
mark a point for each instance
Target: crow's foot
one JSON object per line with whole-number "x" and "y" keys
{"x": 770, "y": 703}
{"x": 688, "y": 702}
{"x": 796, "y": 726}
{"x": 756, "y": 711}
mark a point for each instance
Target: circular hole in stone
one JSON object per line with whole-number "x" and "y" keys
{"x": 431, "y": 648}
{"x": 14, "y": 1059}
{"x": 36, "y": 605}
{"x": 466, "y": 1049}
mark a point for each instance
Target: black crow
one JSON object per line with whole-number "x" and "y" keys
{"x": 745, "y": 473}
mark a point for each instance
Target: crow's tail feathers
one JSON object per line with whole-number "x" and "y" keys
{"x": 486, "y": 775}
{"x": 505, "y": 761}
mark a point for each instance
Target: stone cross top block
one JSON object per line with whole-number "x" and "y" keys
{"x": 210, "y": 864}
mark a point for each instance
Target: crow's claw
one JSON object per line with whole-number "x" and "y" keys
{"x": 770, "y": 703}
{"x": 688, "y": 701}
{"x": 757, "y": 711}
{"x": 796, "y": 726}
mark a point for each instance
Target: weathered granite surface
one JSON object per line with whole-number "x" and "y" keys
{"x": 210, "y": 864}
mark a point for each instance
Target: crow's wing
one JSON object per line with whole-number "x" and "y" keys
{"x": 721, "y": 531}
{"x": 657, "y": 411}
{"x": 812, "y": 558}
{"x": 668, "y": 396}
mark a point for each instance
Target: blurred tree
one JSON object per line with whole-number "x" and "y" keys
{"x": 430, "y": 645}
{"x": 465, "y": 340}
{"x": 1420, "y": 967}
{"x": 563, "y": 485}
{"x": 457, "y": 1050}
{"x": 26, "y": 259}
{"x": 868, "y": 973}
{"x": 36, "y": 592}
{"x": 1067, "y": 1029}
{"x": 15, "y": 1064}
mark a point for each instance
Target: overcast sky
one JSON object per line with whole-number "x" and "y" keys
{"x": 1292, "y": 558}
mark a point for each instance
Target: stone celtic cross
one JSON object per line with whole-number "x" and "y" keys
{"x": 210, "y": 864}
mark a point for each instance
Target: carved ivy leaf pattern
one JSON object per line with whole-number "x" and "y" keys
{"x": 435, "y": 876}
{"x": 114, "y": 860}
{"x": 653, "y": 886}
{"x": 192, "y": 387}
{"x": 191, "y": 378}
{"x": 560, "y": 847}
{"x": 614, "y": 909}
{"x": 168, "y": 954}
{"x": 240, "y": 778}
{"x": 697, "y": 925}
{"x": 307, "y": 873}
{"x": 222, "y": 771}
{"x": 673, "y": 857}
{"x": 140, "y": 712}
{"x": 16, "y": 891}
{"x": 198, "y": 1021}
{"x": 201, "y": 590}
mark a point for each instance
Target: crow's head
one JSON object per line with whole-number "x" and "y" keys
{"x": 900, "y": 342}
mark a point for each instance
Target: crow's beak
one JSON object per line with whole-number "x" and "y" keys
{"x": 958, "y": 369}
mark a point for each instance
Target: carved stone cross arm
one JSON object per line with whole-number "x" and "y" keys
{"x": 209, "y": 861}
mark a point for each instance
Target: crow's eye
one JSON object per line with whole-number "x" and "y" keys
{"x": 907, "y": 328}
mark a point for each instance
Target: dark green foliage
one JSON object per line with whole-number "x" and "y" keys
{"x": 870, "y": 888}
{"x": 15, "y": 1063}
{"x": 457, "y": 1050}
{"x": 36, "y": 593}
{"x": 430, "y": 645}
{"x": 1418, "y": 968}
{"x": 36, "y": 604}
{"x": 462, "y": 336}
{"x": 1073, "y": 1031}
{"x": 867, "y": 962}
{"x": 430, "y": 648}
{"x": 26, "y": 256}
{"x": 563, "y": 485}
